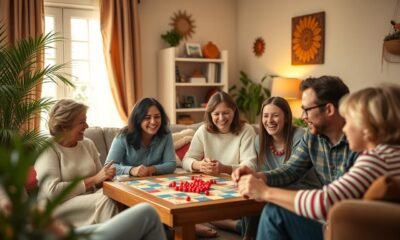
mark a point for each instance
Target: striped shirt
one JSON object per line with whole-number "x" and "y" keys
{"x": 330, "y": 161}
{"x": 383, "y": 160}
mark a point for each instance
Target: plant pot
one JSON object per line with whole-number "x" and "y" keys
{"x": 392, "y": 46}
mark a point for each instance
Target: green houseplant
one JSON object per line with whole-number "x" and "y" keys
{"x": 250, "y": 96}
{"x": 27, "y": 220}
{"x": 19, "y": 76}
{"x": 172, "y": 37}
{"x": 392, "y": 40}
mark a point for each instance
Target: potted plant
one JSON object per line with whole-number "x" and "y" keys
{"x": 250, "y": 96}
{"x": 172, "y": 37}
{"x": 19, "y": 77}
{"x": 392, "y": 40}
{"x": 26, "y": 219}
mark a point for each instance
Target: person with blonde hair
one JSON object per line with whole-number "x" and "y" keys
{"x": 74, "y": 156}
{"x": 372, "y": 116}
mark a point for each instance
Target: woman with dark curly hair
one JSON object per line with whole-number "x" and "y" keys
{"x": 145, "y": 146}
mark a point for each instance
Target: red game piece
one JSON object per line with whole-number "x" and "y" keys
{"x": 188, "y": 198}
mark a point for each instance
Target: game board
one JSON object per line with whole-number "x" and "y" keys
{"x": 159, "y": 186}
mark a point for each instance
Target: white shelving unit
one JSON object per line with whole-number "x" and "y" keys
{"x": 173, "y": 93}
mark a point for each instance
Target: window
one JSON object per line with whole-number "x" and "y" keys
{"x": 82, "y": 50}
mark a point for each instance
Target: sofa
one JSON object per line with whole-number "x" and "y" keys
{"x": 376, "y": 216}
{"x": 103, "y": 137}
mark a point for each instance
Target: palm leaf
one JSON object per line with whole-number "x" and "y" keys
{"x": 20, "y": 75}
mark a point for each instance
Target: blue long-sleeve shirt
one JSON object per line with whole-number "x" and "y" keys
{"x": 159, "y": 154}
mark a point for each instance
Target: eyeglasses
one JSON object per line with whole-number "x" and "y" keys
{"x": 305, "y": 110}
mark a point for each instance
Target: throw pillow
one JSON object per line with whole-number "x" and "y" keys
{"x": 384, "y": 188}
{"x": 31, "y": 181}
{"x": 182, "y": 141}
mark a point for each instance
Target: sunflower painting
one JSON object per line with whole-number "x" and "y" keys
{"x": 308, "y": 39}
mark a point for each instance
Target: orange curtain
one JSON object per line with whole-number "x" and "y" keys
{"x": 121, "y": 40}
{"x": 23, "y": 19}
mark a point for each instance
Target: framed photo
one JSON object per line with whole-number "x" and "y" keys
{"x": 193, "y": 50}
{"x": 190, "y": 102}
{"x": 308, "y": 39}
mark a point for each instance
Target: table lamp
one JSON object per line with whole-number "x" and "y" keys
{"x": 289, "y": 89}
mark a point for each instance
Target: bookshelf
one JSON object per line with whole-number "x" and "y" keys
{"x": 185, "y": 83}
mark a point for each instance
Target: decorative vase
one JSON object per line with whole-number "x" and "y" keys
{"x": 392, "y": 46}
{"x": 210, "y": 50}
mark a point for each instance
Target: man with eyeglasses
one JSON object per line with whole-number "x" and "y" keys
{"x": 323, "y": 147}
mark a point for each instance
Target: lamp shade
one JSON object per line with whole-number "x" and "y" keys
{"x": 288, "y": 88}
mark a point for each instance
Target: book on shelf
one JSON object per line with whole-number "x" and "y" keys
{"x": 211, "y": 70}
{"x": 198, "y": 80}
{"x": 217, "y": 73}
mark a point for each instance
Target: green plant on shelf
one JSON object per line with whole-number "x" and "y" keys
{"x": 172, "y": 37}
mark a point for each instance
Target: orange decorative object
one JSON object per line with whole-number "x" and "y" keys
{"x": 259, "y": 46}
{"x": 308, "y": 39}
{"x": 210, "y": 50}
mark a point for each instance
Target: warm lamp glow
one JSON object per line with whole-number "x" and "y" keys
{"x": 288, "y": 88}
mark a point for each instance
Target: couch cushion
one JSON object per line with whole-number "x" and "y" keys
{"x": 96, "y": 135}
{"x": 31, "y": 181}
{"x": 180, "y": 152}
{"x": 109, "y": 135}
{"x": 182, "y": 141}
{"x": 179, "y": 127}
{"x": 384, "y": 188}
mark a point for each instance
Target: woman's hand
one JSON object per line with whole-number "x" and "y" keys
{"x": 142, "y": 171}
{"x": 106, "y": 173}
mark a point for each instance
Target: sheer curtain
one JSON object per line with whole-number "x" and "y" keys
{"x": 119, "y": 22}
{"x": 23, "y": 19}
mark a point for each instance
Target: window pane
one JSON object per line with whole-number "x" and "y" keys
{"x": 80, "y": 50}
{"x": 79, "y": 29}
{"x": 80, "y": 70}
{"x": 49, "y": 24}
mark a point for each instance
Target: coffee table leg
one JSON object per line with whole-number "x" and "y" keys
{"x": 185, "y": 232}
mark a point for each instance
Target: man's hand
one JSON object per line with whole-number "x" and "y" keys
{"x": 241, "y": 171}
{"x": 252, "y": 187}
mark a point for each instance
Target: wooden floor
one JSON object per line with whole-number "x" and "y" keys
{"x": 223, "y": 235}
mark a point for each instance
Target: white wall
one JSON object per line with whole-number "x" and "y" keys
{"x": 354, "y": 32}
{"x": 215, "y": 20}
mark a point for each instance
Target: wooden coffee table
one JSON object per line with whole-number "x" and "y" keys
{"x": 183, "y": 217}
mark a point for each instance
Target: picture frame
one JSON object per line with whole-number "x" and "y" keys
{"x": 193, "y": 50}
{"x": 308, "y": 39}
{"x": 190, "y": 101}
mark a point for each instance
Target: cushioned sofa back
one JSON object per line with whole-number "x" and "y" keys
{"x": 102, "y": 138}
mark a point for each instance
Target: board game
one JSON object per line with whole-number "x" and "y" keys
{"x": 168, "y": 189}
